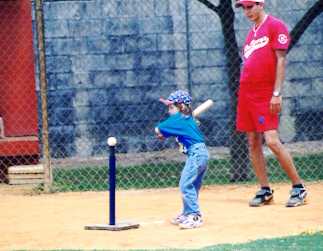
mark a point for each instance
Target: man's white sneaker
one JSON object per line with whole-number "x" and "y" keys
{"x": 192, "y": 221}
{"x": 297, "y": 197}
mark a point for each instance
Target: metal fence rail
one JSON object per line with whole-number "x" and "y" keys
{"x": 108, "y": 62}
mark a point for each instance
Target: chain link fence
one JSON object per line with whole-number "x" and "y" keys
{"x": 109, "y": 61}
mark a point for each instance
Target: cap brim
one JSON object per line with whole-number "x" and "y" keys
{"x": 166, "y": 101}
{"x": 239, "y": 4}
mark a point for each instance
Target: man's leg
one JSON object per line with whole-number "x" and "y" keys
{"x": 257, "y": 157}
{"x": 298, "y": 193}
{"x": 265, "y": 194}
{"x": 282, "y": 155}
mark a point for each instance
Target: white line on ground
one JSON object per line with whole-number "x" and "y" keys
{"x": 158, "y": 222}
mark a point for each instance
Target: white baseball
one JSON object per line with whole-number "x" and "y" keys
{"x": 112, "y": 141}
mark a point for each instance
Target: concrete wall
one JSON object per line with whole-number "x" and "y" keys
{"x": 108, "y": 62}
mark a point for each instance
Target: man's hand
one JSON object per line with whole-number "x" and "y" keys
{"x": 276, "y": 104}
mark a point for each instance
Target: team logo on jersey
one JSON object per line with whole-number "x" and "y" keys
{"x": 282, "y": 38}
{"x": 255, "y": 44}
{"x": 261, "y": 120}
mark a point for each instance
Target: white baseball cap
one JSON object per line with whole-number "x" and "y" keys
{"x": 239, "y": 3}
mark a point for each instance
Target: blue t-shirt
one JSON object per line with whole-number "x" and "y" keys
{"x": 183, "y": 127}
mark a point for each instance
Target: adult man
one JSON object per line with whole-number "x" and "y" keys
{"x": 260, "y": 100}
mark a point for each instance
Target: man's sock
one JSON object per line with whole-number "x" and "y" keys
{"x": 266, "y": 188}
{"x": 298, "y": 186}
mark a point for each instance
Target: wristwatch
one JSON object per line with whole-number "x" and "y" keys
{"x": 276, "y": 93}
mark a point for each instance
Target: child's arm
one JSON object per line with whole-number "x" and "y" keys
{"x": 158, "y": 134}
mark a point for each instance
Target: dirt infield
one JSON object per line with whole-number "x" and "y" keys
{"x": 56, "y": 221}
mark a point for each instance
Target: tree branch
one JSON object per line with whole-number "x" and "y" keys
{"x": 306, "y": 20}
{"x": 209, "y": 5}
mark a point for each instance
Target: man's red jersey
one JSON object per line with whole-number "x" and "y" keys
{"x": 259, "y": 59}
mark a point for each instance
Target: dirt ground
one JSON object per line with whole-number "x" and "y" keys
{"x": 56, "y": 221}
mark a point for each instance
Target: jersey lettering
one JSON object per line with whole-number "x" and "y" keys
{"x": 255, "y": 45}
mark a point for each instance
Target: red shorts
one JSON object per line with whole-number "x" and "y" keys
{"x": 253, "y": 112}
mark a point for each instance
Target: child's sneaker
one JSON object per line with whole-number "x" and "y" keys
{"x": 297, "y": 197}
{"x": 178, "y": 219}
{"x": 263, "y": 197}
{"x": 192, "y": 221}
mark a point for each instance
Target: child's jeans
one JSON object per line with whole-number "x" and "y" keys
{"x": 192, "y": 176}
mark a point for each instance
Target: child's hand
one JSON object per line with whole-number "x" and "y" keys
{"x": 197, "y": 122}
{"x": 161, "y": 137}
{"x": 158, "y": 134}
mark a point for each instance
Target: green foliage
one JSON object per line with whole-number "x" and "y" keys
{"x": 134, "y": 177}
{"x": 167, "y": 174}
{"x": 307, "y": 167}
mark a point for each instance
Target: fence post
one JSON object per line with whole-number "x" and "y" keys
{"x": 188, "y": 47}
{"x": 43, "y": 93}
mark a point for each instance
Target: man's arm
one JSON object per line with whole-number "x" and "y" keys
{"x": 276, "y": 101}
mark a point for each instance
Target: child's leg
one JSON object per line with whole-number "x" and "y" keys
{"x": 202, "y": 163}
{"x": 190, "y": 183}
{"x": 189, "y": 195}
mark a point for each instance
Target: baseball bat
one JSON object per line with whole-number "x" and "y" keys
{"x": 202, "y": 107}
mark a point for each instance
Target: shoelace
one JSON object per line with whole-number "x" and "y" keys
{"x": 262, "y": 192}
{"x": 296, "y": 192}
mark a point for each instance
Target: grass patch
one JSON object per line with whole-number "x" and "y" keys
{"x": 302, "y": 242}
{"x": 167, "y": 175}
